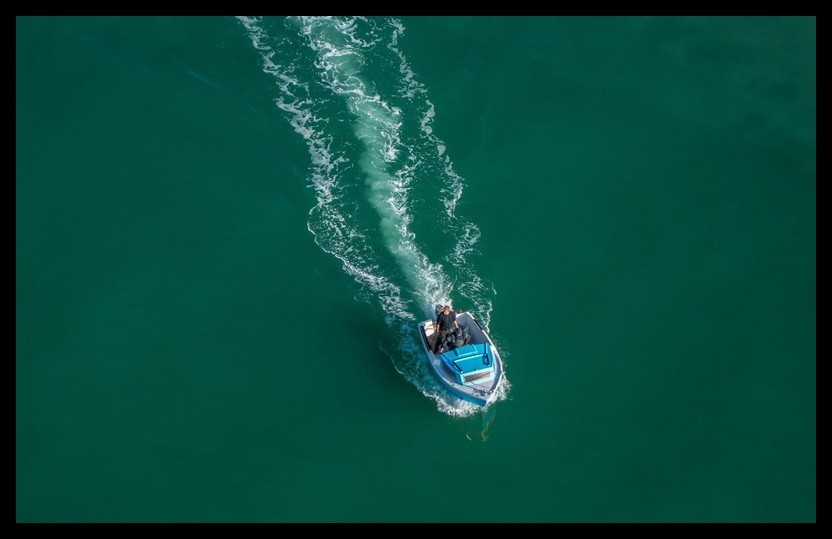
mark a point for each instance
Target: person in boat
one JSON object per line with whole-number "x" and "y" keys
{"x": 445, "y": 324}
{"x": 456, "y": 338}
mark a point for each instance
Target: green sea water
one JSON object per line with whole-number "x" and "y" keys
{"x": 228, "y": 228}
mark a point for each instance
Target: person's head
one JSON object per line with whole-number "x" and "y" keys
{"x": 446, "y": 309}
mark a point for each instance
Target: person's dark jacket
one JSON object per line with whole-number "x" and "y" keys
{"x": 445, "y": 321}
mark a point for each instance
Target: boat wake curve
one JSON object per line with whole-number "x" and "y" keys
{"x": 348, "y": 90}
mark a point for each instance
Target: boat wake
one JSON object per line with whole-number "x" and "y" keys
{"x": 378, "y": 172}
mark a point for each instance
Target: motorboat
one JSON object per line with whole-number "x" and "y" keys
{"x": 472, "y": 371}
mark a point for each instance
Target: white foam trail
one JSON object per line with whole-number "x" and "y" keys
{"x": 378, "y": 125}
{"x": 342, "y": 47}
{"x": 471, "y": 285}
{"x": 331, "y": 230}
